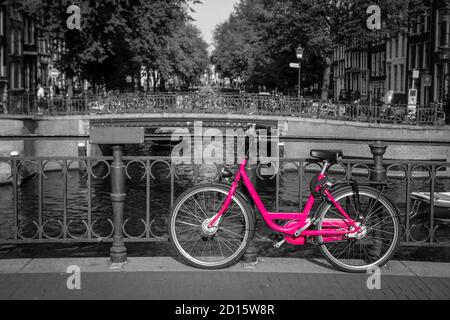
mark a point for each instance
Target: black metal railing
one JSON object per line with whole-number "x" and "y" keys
{"x": 252, "y": 104}
{"x": 68, "y": 199}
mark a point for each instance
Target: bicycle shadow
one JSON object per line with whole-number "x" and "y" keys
{"x": 321, "y": 264}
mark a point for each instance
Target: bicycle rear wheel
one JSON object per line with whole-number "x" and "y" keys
{"x": 210, "y": 248}
{"x": 375, "y": 245}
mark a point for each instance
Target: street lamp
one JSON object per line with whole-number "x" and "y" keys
{"x": 300, "y": 51}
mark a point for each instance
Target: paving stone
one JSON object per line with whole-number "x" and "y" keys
{"x": 220, "y": 285}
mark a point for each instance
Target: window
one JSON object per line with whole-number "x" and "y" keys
{"x": 395, "y": 78}
{"x": 374, "y": 62}
{"x": 16, "y": 76}
{"x": 19, "y": 42}
{"x": 419, "y": 56}
{"x": 389, "y": 77}
{"x": 404, "y": 46}
{"x": 412, "y": 56}
{"x": 420, "y": 25}
{"x": 12, "y": 41}
{"x": 427, "y": 21}
{"x": 27, "y": 77}
{"x": 25, "y": 35}
{"x": 390, "y": 45}
{"x": 412, "y": 24}
{"x": 438, "y": 83}
{"x": 397, "y": 42}
{"x": 19, "y": 76}
{"x": 426, "y": 55}
{"x": 11, "y": 71}
{"x": 441, "y": 26}
{"x": 402, "y": 78}
{"x": 1, "y": 22}
{"x": 2, "y": 60}
{"x": 32, "y": 32}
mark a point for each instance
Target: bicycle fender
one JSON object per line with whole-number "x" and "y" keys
{"x": 239, "y": 192}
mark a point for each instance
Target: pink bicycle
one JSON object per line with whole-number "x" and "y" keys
{"x": 355, "y": 227}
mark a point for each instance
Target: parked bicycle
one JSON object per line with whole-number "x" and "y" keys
{"x": 355, "y": 227}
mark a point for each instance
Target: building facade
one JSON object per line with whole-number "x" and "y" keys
{"x": 3, "y": 57}
{"x": 25, "y": 56}
{"x": 440, "y": 52}
{"x": 419, "y": 57}
{"x": 396, "y": 49}
{"x": 377, "y": 67}
{"x": 424, "y": 47}
{"x": 350, "y": 71}
{"x": 338, "y": 72}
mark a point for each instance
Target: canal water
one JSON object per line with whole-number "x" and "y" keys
{"x": 79, "y": 201}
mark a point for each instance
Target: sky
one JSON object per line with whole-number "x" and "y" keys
{"x": 211, "y": 13}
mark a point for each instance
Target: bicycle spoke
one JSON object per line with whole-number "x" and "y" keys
{"x": 230, "y": 232}
{"x": 220, "y": 246}
{"x": 189, "y": 224}
{"x": 229, "y": 242}
{"x": 206, "y": 216}
{"x": 191, "y": 214}
{"x": 206, "y": 245}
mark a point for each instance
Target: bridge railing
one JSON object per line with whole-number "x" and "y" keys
{"x": 252, "y": 104}
{"x": 68, "y": 199}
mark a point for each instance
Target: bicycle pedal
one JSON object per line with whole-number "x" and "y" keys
{"x": 279, "y": 244}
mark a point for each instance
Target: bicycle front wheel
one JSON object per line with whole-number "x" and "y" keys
{"x": 207, "y": 247}
{"x": 377, "y": 241}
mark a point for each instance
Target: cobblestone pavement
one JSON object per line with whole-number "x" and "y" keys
{"x": 164, "y": 278}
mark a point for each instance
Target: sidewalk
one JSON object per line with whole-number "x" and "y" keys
{"x": 166, "y": 278}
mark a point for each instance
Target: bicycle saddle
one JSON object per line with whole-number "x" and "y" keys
{"x": 327, "y": 155}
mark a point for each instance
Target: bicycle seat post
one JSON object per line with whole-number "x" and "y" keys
{"x": 325, "y": 167}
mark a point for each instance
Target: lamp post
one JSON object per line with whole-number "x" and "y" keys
{"x": 300, "y": 51}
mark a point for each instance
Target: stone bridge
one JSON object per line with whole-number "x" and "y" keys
{"x": 60, "y": 135}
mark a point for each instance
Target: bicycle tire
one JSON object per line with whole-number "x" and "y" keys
{"x": 248, "y": 229}
{"x": 347, "y": 192}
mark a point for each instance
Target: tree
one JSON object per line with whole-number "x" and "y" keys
{"x": 189, "y": 53}
{"x": 271, "y": 32}
{"x": 116, "y": 39}
{"x": 185, "y": 55}
{"x": 327, "y": 23}
{"x": 239, "y": 47}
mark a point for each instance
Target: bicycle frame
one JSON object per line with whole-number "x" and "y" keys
{"x": 332, "y": 229}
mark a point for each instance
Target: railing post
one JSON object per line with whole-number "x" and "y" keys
{"x": 394, "y": 114}
{"x": 435, "y": 113}
{"x": 118, "y": 252}
{"x": 378, "y": 172}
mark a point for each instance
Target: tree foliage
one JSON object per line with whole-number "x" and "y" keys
{"x": 260, "y": 38}
{"x": 118, "y": 38}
